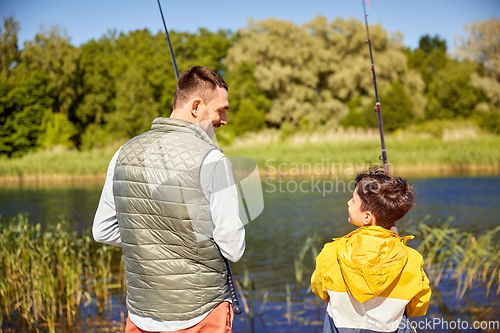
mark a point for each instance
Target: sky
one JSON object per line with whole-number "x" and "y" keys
{"x": 90, "y": 19}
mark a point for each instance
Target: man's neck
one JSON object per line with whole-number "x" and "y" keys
{"x": 205, "y": 125}
{"x": 182, "y": 114}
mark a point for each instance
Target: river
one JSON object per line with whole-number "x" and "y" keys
{"x": 274, "y": 239}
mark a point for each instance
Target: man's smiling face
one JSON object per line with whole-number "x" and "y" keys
{"x": 213, "y": 114}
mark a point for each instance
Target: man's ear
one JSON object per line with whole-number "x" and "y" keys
{"x": 369, "y": 219}
{"x": 195, "y": 106}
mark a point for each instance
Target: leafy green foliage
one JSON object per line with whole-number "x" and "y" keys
{"x": 428, "y": 64}
{"x": 248, "y": 104}
{"x": 311, "y": 72}
{"x": 280, "y": 75}
{"x": 397, "y": 111}
{"x": 9, "y": 52}
{"x": 24, "y": 102}
{"x": 98, "y": 91}
{"x": 429, "y": 44}
{"x": 56, "y": 130}
{"x": 129, "y": 79}
{"x": 429, "y": 58}
{"x": 481, "y": 44}
{"x": 451, "y": 95}
{"x": 51, "y": 53}
{"x": 491, "y": 122}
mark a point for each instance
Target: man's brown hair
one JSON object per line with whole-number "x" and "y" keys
{"x": 388, "y": 198}
{"x": 200, "y": 81}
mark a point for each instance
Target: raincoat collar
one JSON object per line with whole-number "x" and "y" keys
{"x": 371, "y": 259}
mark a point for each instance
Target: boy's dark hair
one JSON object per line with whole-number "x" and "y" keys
{"x": 388, "y": 198}
{"x": 198, "y": 80}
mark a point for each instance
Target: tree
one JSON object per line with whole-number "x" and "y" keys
{"x": 9, "y": 52}
{"x": 128, "y": 79}
{"x": 203, "y": 48}
{"x": 397, "y": 108}
{"x": 29, "y": 92}
{"x": 429, "y": 58}
{"x": 428, "y": 44}
{"x": 481, "y": 44}
{"x": 22, "y": 107}
{"x": 248, "y": 104}
{"x": 56, "y": 130}
{"x": 98, "y": 92}
{"x": 55, "y": 94}
{"x": 51, "y": 53}
{"x": 311, "y": 72}
{"x": 451, "y": 94}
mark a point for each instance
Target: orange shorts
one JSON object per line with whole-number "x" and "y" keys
{"x": 219, "y": 320}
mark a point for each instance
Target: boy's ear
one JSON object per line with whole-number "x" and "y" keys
{"x": 369, "y": 219}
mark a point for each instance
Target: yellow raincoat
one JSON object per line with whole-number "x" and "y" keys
{"x": 370, "y": 276}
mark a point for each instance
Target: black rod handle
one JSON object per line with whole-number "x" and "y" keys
{"x": 232, "y": 289}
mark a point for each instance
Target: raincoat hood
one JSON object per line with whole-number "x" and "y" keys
{"x": 371, "y": 259}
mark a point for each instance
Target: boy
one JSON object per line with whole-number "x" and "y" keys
{"x": 369, "y": 278}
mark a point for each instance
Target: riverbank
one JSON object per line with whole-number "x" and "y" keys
{"x": 345, "y": 152}
{"x": 325, "y": 154}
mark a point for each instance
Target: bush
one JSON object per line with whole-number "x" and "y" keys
{"x": 491, "y": 122}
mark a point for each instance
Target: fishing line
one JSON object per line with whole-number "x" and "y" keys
{"x": 377, "y": 108}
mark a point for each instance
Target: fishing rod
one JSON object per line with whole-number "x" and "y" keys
{"x": 377, "y": 105}
{"x": 169, "y": 44}
{"x": 232, "y": 289}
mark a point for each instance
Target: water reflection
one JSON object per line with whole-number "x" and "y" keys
{"x": 473, "y": 201}
{"x": 49, "y": 203}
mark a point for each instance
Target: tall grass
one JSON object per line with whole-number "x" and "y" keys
{"x": 459, "y": 255}
{"x": 45, "y": 276}
{"x": 448, "y": 150}
{"x": 406, "y": 153}
{"x": 299, "y": 261}
{"x": 62, "y": 163}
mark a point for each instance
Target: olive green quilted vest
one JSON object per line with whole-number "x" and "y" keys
{"x": 174, "y": 269}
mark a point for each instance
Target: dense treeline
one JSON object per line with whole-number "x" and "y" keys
{"x": 280, "y": 75}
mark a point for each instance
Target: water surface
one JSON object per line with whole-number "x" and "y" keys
{"x": 276, "y": 237}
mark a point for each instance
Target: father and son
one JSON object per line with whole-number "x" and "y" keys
{"x": 169, "y": 200}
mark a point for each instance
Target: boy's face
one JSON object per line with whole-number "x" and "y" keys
{"x": 356, "y": 216}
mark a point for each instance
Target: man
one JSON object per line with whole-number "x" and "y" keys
{"x": 170, "y": 202}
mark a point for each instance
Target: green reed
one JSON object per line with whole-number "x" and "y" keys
{"x": 65, "y": 162}
{"x": 45, "y": 276}
{"x": 299, "y": 261}
{"x": 288, "y": 303}
{"x": 459, "y": 255}
{"x": 408, "y": 152}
